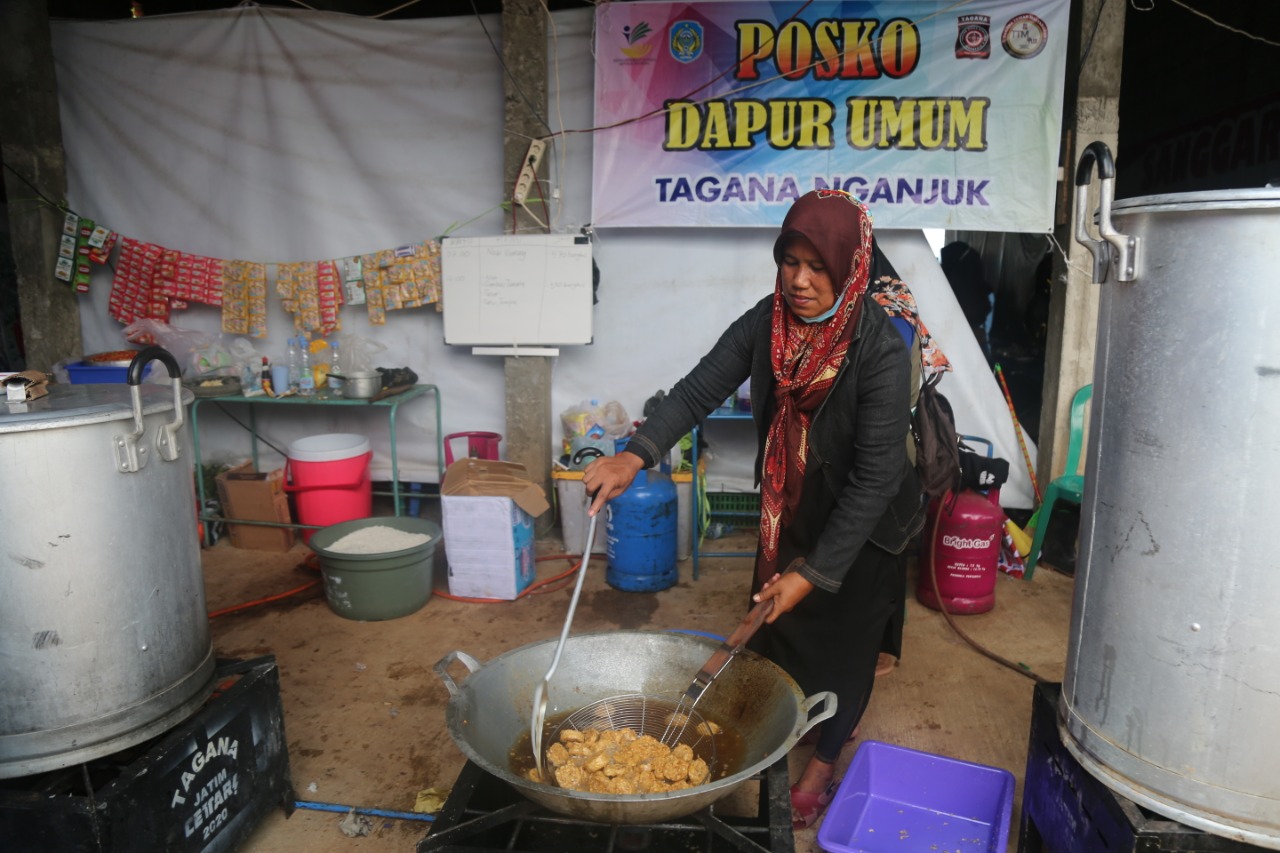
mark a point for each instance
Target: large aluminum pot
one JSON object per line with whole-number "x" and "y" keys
{"x": 492, "y": 707}
{"x": 1172, "y": 689}
{"x": 104, "y": 635}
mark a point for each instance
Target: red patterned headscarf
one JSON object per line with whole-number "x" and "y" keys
{"x": 807, "y": 356}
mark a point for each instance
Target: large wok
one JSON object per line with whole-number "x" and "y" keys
{"x": 491, "y": 707}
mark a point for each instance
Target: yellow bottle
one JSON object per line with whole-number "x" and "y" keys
{"x": 1021, "y": 541}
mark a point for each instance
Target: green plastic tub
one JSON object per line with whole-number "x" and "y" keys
{"x": 371, "y": 587}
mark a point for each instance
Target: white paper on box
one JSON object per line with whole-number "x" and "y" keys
{"x": 489, "y": 543}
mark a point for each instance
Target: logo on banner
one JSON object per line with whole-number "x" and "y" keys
{"x": 1024, "y": 36}
{"x": 686, "y": 41}
{"x": 973, "y": 41}
{"x": 636, "y": 47}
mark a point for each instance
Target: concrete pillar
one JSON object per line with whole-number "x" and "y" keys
{"x": 31, "y": 147}
{"x": 528, "y": 378}
{"x": 1090, "y": 112}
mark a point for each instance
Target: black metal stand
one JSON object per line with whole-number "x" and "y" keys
{"x": 202, "y": 786}
{"x": 483, "y": 813}
{"x": 1066, "y": 810}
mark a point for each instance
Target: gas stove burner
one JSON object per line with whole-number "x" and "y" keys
{"x": 483, "y": 813}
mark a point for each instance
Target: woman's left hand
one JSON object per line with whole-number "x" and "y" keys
{"x": 786, "y": 590}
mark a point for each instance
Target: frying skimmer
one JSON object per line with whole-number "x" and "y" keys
{"x": 540, "y": 692}
{"x": 720, "y": 658}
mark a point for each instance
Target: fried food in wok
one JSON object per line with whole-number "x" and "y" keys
{"x": 620, "y": 761}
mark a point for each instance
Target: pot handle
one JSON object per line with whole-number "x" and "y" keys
{"x": 1114, "y": 249}
{"x": 442, "y": 669}
{"x": 131, "y": 456}
{"x": 828, "y": 700}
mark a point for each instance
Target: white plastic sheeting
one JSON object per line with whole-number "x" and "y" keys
{"x": 277, "y": 136}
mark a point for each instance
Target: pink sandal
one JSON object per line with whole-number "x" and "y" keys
{"x": 807, "y": 806}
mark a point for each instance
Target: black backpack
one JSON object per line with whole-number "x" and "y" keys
{"x": 937, "y": 446}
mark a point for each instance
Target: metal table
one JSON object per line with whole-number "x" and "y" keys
{"x": 389, "y": 405}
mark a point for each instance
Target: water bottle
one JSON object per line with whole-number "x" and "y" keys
{"x": 295, "y": 366}
{"x": 306, "y": 379}
{"x": 335, "y": 366}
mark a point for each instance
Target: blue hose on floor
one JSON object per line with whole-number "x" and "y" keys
{"x": 336, "y": 807}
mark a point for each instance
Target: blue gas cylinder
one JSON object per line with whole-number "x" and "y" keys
{"x": 641, "y": 529}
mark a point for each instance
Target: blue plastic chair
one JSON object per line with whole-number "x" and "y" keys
{"x": 1068, "y": 487}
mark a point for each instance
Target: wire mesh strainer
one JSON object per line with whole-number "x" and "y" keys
{"x": 646, "y": 715}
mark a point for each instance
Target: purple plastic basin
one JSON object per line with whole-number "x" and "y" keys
{"x": 894, "y": 798}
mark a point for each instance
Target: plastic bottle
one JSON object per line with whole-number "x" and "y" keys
{"x": 335, "y": 366}
{"x": 306, "y": 379}
{"x": 264, "y": 378}
{"x": 295, "y": 366}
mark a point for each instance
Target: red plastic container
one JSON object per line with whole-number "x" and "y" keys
{"x": 328, "y": 475}
{"x": 965, "y": 541}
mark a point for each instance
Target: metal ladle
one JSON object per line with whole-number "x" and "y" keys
{"x": 536, "y": 724}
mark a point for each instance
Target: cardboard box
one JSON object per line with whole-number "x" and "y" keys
{"x": 25, "y": 386}
{"x": 488, "y": 508}
{"x": 250, "y": 496}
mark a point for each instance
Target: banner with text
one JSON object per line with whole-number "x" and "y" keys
{"x": 937, "y": 115}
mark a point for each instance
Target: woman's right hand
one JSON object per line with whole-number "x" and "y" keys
{"x": 608, "y": 477}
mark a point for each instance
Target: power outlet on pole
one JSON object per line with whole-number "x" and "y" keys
{"x": 529, "y": 171}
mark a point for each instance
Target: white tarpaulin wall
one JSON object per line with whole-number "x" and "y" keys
{"x": 278, "y": 136}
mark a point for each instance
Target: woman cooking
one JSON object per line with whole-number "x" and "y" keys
{"x": 831, "y": 391}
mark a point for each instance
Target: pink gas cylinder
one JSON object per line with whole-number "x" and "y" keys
{"x": 962, "y": 546}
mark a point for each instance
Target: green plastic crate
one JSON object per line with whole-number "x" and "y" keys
{"x": 740, "y": 509}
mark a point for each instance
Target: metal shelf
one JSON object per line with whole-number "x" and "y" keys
{"x": 697, "y": 504}
{"x": 390, "y": 405}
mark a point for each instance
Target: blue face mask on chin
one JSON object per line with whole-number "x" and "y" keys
{"x": 829, "y": 313}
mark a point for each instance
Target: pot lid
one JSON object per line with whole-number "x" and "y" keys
{"x": 78, "y": 405}
{"x": 1238, "y": 199}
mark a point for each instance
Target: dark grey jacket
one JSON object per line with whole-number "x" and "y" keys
{"x": 857, "y": 436}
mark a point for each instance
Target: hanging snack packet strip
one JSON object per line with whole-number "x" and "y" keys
{"x": 244, "y": 298}
{"x": 329, "y": 295}
{"x": 299, "y": 291}
{"x": 81, "y": 278}
{"x": 373, "y": 296}
{"x": 132, "y": 296}
{"x": 193, "y": 278}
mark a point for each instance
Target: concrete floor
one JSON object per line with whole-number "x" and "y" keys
{"x": 364, "y": 712}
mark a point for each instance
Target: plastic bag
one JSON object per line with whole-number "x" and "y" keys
{"x": 615, "y": 421}
{"x": 188, "y": 346}
{"x": 357, "y": 353}
{"x": 592, "y": 420}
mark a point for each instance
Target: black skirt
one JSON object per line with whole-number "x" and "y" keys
{"x": 832, "y": 640}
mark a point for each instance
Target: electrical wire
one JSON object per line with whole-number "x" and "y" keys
{"x": 236, "y": 608}
{"x": 541, "y": 587}
{"x": 507, "y": 71}
{"x": 1217, "y": 23}
{"x": 396, "y": 9}
{"x": 1088, "y": 47}
{"x": 56, "y": 206}
{"x": 245, "y": 427}
{"x": 558, "y": 158}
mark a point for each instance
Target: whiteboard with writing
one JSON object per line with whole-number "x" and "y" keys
{"x": 517, "y": 290}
